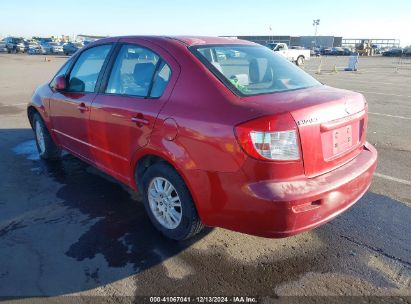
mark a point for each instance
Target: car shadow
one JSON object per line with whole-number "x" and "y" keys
{"x": 67, "y": 227}
{"x": 123, "y": 234}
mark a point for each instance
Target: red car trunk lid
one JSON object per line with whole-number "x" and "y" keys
{"x": 331, "y": 133}
{"x": 331, "y": 123}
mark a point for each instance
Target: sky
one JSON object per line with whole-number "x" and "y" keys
{"x": 348, "y": 18}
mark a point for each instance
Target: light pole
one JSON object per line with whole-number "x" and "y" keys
{"x": 271, "y": 33}
{"x": 316, "y": 23}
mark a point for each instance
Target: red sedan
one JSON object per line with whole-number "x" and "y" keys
{"x": 212, "y": 131}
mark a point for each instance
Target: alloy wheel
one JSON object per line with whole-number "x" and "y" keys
{"x": 165, "y": 202}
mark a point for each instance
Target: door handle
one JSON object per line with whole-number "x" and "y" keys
{"x": 82, "y": 107}
{"x": 139, "y": 120}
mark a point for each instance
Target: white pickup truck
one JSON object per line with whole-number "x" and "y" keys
{"x": 294, "y": 55}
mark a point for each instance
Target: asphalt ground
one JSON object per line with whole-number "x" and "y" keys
{"x": 68, "y": 229}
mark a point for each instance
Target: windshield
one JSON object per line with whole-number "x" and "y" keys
{"x": 272, "y": 46}
{"x": 16, "y": 40}
{"x": 252, "y": 70}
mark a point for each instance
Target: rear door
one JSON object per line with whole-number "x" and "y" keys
{"x": 137, "y": 84}
{"x": 70, "y": 109}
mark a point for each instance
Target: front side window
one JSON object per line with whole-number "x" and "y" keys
{"x": 133, "y": 71}
{"x": 83, "y": 77}
{"x": 63, "y": 71}
{"x": 251, "y": 70}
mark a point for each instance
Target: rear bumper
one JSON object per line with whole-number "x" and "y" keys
{"x": 281, "y": 208}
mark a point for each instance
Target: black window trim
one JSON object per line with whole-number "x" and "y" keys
{"x": 74, "y": 60}
{"x": 107, "y": 73}
{"x": 155, "y": 75}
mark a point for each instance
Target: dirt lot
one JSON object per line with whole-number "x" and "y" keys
{"x": 67, "y": 229}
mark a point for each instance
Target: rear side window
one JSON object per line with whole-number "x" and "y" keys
{"x": 134, "y": 73}
{"x": 161, "y": 81}
{"x": 83, "y": 77}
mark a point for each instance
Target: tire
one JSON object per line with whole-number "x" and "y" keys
{"x": 189, "y": 224}
{"x": 300, "y": 61}
{"x": 45, "y": 145}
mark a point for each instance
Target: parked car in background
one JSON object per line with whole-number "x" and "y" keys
{"x": 337, "y": 51}
{"x": 294, "y": 55}
{"x": 315, "y": 52}
{"x": 348, "y": 52}
{"x": 43, "y": 40}
{"x": 22, "y": 46}
{"x": 46, "y": 48}
{"x": 3, "y": 46}
{"x": 56, "y": 48}
{"x": 265, "y": 149}
{"x": 71, "y": 47}
{"x": 407, "y": 52}
{"x": 326, "y": 51}
{"x": 378, "y": 51}
{"x": 221, "y": 55}
{"x": 11, "y": 44}
{"x": 34, "y": 48}
{"x": 397, "y": 52}
{"x": 233, "y": 54}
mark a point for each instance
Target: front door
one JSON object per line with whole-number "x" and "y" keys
{"x": 70, "y": 109}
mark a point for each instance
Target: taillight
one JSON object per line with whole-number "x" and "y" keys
{"x": 270, "y": 138}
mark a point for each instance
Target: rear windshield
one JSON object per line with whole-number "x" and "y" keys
{"x": 252, "y": 70}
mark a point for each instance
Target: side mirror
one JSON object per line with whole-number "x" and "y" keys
{"x": 60, "y": 84}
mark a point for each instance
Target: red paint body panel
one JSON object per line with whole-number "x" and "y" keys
{"x": 69, "y": 113}
{"x": 283, "y": 207}
{"x": 192, "y": 126}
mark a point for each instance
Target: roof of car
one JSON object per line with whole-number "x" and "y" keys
{"x": 196, "y": 40}
{"x": 191, "y": 40}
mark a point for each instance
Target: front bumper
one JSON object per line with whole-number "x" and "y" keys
{"x": 281, "y": 208}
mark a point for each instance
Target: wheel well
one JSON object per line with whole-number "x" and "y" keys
{"x": 143, "y": 164}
